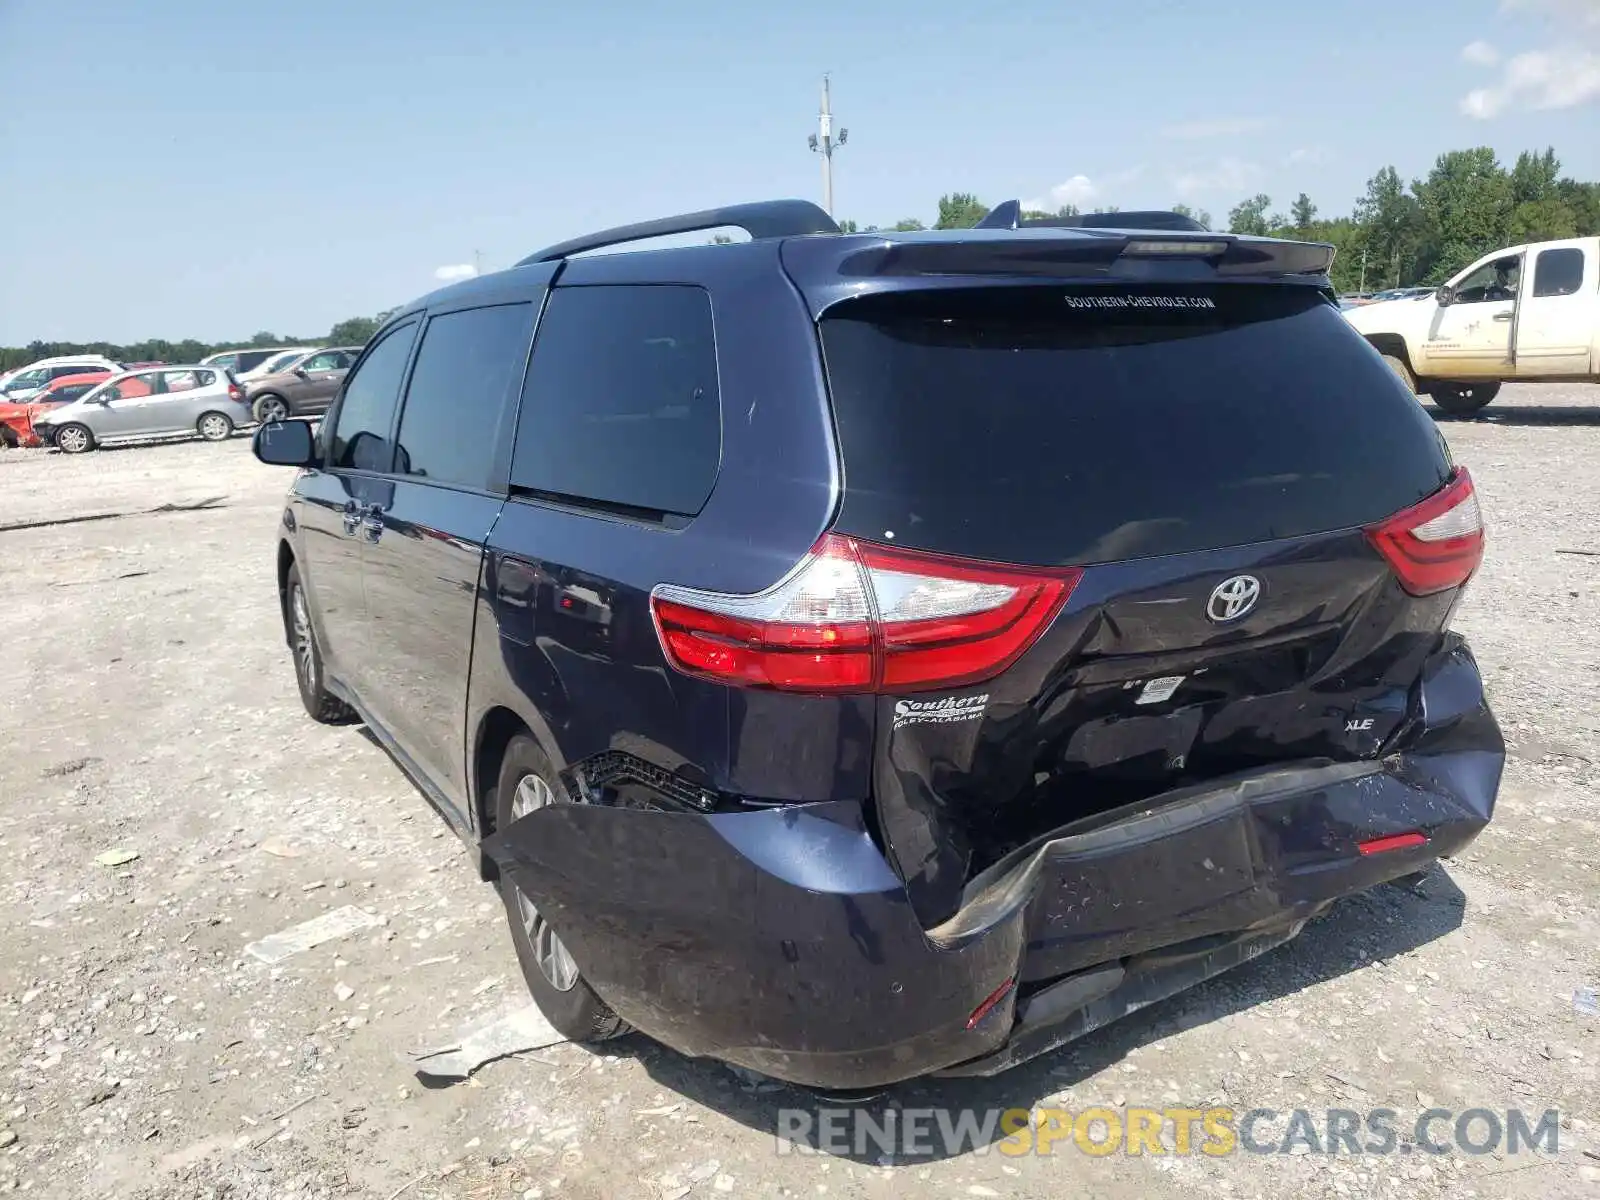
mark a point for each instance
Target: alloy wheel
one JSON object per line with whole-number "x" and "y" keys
{"x": 213, "y": 427}
{"x": 273, "y": 409}
{"x": 72, "y": 440}
{"x": 305, "y": 646}
{"x": 555, "y": 963}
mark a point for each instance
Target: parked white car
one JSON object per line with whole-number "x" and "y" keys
{"x": 1524, "y": 313}
{"x": 24, "y": 382}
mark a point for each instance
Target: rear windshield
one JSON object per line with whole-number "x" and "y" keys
{"x": 1051, "y": 425}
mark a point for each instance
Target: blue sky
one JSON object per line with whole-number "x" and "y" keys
{"x": 176, "y": 168}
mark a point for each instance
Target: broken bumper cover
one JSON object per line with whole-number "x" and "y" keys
{"x": 780, "y": 939}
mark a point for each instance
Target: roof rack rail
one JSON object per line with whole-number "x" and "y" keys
{"x": 763, "y": 219}
{"x": 1008, "y": 215}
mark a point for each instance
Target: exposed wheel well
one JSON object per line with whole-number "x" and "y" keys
{"x": 494, "y": 735}
{"x": 1390, "y": 343}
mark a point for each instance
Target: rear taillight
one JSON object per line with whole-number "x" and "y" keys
{"x": 858, "y": 617}
{"x": 235, "y": 392}
{"x": 1436, "y": 544}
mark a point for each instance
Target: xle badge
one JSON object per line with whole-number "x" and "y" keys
{"x": 939, "y": 712}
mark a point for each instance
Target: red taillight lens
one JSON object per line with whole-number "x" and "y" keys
{"x": 235, "y": 392}
{"x": 859, "y": 617}
{"x": 1436, "y": 544}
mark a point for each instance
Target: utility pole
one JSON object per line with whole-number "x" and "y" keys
{"x": 822, "y": 143}
{"x": 1362, "y": 286}
{"x": 477, "y": 262}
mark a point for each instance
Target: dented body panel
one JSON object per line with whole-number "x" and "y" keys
{"x": 783, "y": 941}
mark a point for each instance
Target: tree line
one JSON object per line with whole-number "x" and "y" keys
{"x": 1397, "y": 234}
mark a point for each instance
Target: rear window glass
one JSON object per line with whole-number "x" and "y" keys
{"x": 1046, "y": 425}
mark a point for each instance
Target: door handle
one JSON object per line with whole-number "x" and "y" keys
{"x": 1504, "y": 316}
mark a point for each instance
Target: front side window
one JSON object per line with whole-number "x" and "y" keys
{"x": 1558, "y": 272}
{"x": 366, "y": 411}
{"x": 1495, "y": 280}
{"x": 132, "y": 388}
{"x": 621, "y": 405}
{"x": 279, "y": 363}
{"x": 466, "y": 365}
{"x": 328, "y": 360}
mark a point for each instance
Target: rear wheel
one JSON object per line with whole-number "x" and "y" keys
{"x": 271, "y": 408}
{"x": 214, "y": 427}
{"x": 1403, "y": 369}
{"x": 527, "y": 783}
{"x": 1463, "y": 399}
{"x": 74, "y": 439}
{"x": 321, "y": 704}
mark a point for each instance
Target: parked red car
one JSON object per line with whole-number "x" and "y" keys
{"x": 16, "y": 420}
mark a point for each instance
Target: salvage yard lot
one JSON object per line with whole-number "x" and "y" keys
{"x": 151, "y": 712}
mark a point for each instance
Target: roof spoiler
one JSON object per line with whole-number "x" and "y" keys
{"x": 1008, "y": 215}
{"x": 764, "y": 219}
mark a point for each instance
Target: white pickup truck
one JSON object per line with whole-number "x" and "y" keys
{"x": 1524, "y": 313}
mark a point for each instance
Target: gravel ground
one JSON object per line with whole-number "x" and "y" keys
{"x": 144, "y": 1054}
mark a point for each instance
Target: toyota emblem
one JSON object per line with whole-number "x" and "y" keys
{"x": 1233, "y": 598}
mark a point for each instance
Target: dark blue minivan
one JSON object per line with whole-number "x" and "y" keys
{"x": 865, "y": 656}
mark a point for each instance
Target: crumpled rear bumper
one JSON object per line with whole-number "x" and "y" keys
{"x": 780, "y": 939}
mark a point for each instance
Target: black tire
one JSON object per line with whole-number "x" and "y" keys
{"x": 214, "y": 427}
{"x": 1403, "y": 369}
{"x": 270, "y": 407}
{"x": 1462, "y": 399}
{"x": 8, "y": 440}
{"x": 73, "y": 439}
{"x": 573, "y": 1010}
{"x": 321, "y": 705}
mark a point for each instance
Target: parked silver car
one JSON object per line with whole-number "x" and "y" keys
{"x": 152, "y": 402}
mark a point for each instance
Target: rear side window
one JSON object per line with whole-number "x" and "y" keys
{"x": 366, "y": 412}
{"x": 1047, "y": 426}
{"x": 620, "y": 407}
{"x": 1558, "y": 272}
{"x": 466, "y": 366}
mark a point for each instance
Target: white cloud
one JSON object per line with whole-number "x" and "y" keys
{"x": 1480, "y": 54}
{"x": 1540, "y": 79}
{"x": 1190, "y": 131}
{"x": 1225, "y": 175}
{"x": 1564, "y": 75}
{"x": 455, "y": 272}
{"x": 1310, "y": 155}
{"x": 1077, "y": 191}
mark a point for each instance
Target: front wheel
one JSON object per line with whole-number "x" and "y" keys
{"x": 527, "y": 783}
{"x": 271, "y": 408}
{"x": 214, "y": 427}
{"x": 74, "y": 439}
{"x": 1462, "y": 399}
{"x": 321, "y": 705}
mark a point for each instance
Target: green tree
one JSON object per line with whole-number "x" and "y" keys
{"x": 1394, "y": 229}
{"x": 908, "y": 225}
{"x": 849, "y": 227}
{"x": 960, "y": 210}
{"x": 1194, "y": 214}
{"x": 1467, "y": 202}
{"x": 1036, "y": 214}
{"x": 353, "y": 331}
{"x": 1302, "y": 212}
{"x": 1250, "y": 216}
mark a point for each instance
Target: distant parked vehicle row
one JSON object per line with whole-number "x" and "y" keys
{"x": 150, "y": 403}
{"x": 17, "y": 417}
{"x": 26, "y": 382}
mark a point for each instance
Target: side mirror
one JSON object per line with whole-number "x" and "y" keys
{"x": 286, "y": 444}
{"x": 1446, "y": 295}
{"x": 300, "y": 371}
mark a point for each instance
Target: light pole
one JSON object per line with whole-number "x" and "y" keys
{"x": 822, "y": 143}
